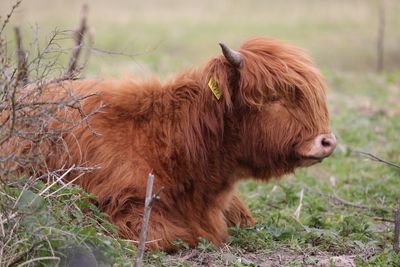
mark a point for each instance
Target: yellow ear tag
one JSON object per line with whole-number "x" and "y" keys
{"x": 212, "y": 84}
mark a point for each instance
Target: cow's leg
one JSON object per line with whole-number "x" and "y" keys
{"x": 237, "y": 213}
{"x": 161, "y": 232}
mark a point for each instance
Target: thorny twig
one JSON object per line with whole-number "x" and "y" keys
{"x": 21, "y": 80}
{"x": 14, "y": 7}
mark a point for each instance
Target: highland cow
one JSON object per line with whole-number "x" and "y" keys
{"x": 256, "y": 112}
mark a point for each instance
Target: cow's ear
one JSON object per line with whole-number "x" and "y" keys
{"x": 234, "y": 57}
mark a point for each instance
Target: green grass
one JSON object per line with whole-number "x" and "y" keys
{"x": 54, "y": 222}
{"x": 365, "y": 115}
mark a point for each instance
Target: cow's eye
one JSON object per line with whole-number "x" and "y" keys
{"x": 273, "y": 98}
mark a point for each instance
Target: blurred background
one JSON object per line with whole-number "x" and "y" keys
{"x": 166, "y": 36}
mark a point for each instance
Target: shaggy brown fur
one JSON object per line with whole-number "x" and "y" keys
{"x": 271, "y": 109}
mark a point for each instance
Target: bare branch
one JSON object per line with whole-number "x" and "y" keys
{"x": 22, "y": 75}
{"x": 88, "y": 49}
{"x": 13, "y": 113}
{"x": 72, "y": 67}
{"x": 396, "y": 236}
{"x": 382, "y": 219}
{"x": 375, "y": 158}
{"x": 14, "y": 7}
{"x": 146, "y": 216}
{"x": 347, "y": 203}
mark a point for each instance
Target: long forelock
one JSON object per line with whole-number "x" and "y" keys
{"x": 272, "y": 66}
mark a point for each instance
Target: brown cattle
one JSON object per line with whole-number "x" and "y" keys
{"x": 256, "y": 112}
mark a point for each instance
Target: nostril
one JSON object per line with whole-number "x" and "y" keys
{"x": 326, "y": 142}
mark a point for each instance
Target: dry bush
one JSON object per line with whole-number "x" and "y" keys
{"x": 26, "y": 107}
{"x": 42, "y": 219}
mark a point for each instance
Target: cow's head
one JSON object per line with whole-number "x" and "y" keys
{"x": 278, "y": 100}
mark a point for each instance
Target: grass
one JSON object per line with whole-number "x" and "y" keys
{"x": 365, "y": 115}
{"x": 52, "y": 223}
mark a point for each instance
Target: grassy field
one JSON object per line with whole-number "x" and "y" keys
{"x": 346, "y": 215}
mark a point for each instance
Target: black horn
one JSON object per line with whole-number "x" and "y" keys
{"x": 233, "y": 57}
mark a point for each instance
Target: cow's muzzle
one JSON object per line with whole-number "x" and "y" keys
{"x": 322, "y": 146}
